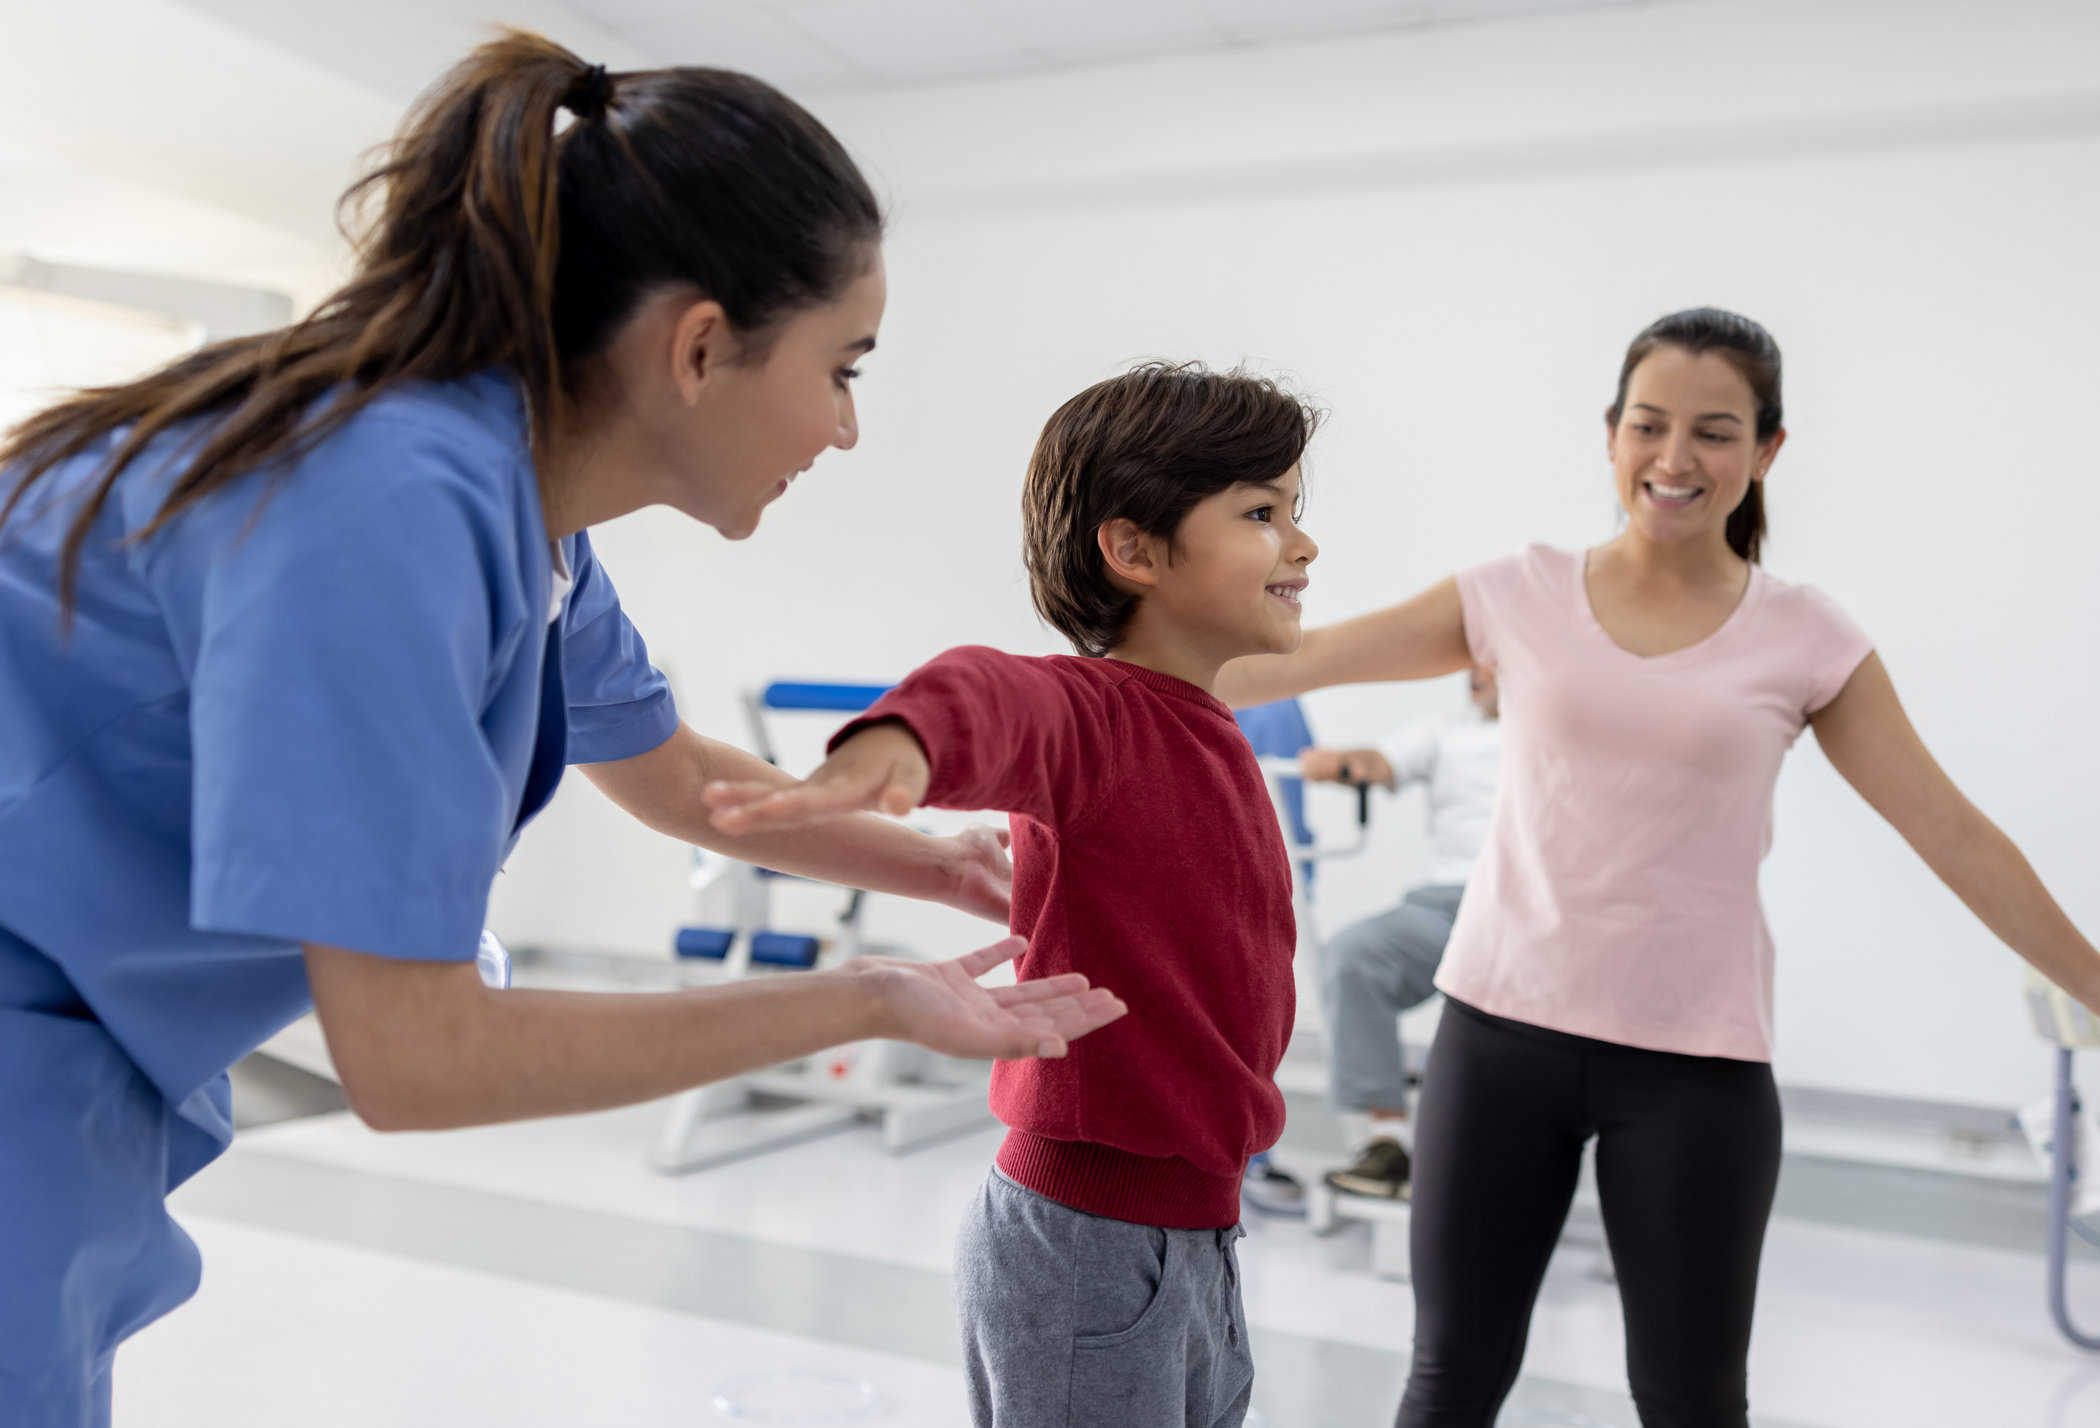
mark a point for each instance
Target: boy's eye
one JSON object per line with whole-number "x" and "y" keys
{"x": 1264, "y": 514}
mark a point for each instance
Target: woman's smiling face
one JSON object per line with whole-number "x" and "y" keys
{"x": 1685, "y": 450}
{"x": 738, "y": 441}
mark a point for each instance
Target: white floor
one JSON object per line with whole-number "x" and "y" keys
{"x": 291, "y": 1332}
{"x": 1855, "y": 1330}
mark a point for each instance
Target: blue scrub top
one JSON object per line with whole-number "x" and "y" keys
{"x": 316, "y": 708}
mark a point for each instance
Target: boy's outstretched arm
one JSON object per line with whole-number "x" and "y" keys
{"x": 972, "y": 728}
{"x": 880, "y": 769}
{"x": 665, "y": 789}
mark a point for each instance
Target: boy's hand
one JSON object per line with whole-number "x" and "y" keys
{"x": 880, "y": 769}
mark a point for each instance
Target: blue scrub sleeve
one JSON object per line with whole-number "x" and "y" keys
{"x": 619, "y": 706}
{"x": 345, "y": 792}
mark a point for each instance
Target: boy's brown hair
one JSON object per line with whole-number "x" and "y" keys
{"x": 1142, "y": 447}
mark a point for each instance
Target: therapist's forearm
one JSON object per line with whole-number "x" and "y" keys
{"x": 424, "y": 1046}
{"x": 662, "y": 790}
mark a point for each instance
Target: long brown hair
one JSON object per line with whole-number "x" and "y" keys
{"x": 1751, "y": 350}
{"x": 498, "y": 242}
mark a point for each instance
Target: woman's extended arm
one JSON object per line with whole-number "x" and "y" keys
{"x": 1869, "y": 740}
{"x": 424, "y": 1046}
{"x": 662, "y": 789}
{"x": 1416, "y": 639}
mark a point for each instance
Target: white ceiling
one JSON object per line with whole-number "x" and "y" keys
{"x": 829, "y": 46}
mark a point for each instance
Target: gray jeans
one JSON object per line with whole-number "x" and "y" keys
{"x": 1370, "y": 973}
{"x": 1071, "y": 1320}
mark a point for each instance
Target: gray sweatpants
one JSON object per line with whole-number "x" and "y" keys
{"x": 1071, "y": 1320}
{"x": 1370, "y": 972}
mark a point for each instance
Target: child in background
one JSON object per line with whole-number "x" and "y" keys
{"x": 1095, "y": 1273}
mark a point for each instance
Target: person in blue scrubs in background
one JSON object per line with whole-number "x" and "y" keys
{"x": 298, "y": 633}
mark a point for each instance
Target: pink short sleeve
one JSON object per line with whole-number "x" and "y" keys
{"x": 1482, "y": 591}
{"x": 1617, "y": 896}
{"x": 1834, "y": 643}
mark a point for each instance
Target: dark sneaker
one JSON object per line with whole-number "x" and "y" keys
{"x": 1382, "y": 1168}
{"x": 1271, "y": 1190}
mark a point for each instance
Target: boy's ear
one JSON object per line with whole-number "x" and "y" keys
{"x": 1128, "y": 552}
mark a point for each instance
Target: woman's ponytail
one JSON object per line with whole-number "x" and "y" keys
{"x": 487, "y": 239}
{"x": 457, "y": 271}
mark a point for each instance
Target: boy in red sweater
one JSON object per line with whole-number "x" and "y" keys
{"x": 1095, "y": 1273}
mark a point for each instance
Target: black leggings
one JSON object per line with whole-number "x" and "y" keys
{"x": 1687, "y": 1158}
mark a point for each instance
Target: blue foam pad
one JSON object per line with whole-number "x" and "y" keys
{"x": 704, "y": 942}
{"x": 784, "y": 949}
{"x": 842, "y": 698}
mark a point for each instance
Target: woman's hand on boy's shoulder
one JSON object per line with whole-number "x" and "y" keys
{"x": 881, "y": 769}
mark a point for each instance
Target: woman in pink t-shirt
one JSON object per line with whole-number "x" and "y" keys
{"x": 1610, "y": 973}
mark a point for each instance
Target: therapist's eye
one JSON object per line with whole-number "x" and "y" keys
{"x": 845, "y": 375}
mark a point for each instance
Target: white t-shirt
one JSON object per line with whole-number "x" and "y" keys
{"x": 1459, "y": 760}
{"x": 563, "y": 582}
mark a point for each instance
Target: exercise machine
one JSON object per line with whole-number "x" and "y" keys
{"x": 1278, "y": 732}
{"x": 916, "y": 1095}
{"x": 1328, "y": 1210}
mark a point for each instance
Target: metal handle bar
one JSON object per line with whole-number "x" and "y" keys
{"x": 2063, "y": 1168}
{"x": 1278, "y": 768}
{"x": 1295, "y": 768}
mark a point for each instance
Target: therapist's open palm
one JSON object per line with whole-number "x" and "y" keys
{"x": 940, "y": 1005}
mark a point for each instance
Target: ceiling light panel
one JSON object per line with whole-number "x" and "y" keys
{"x": 1077, "y": 31}
{"x": 820, "y": 46}
{"x": 1267, "y": 20}
{"x": 729, "y": 34}
{"x": 898, "y": 41}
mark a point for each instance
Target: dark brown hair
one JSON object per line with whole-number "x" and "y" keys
{"x": 498, "y": 242}
{"x": 1749, "y": 349}
{"x": 1143, "y": 447}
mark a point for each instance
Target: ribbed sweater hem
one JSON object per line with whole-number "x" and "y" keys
{"x": 1165, "y": 1191}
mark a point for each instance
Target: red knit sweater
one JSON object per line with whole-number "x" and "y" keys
{"x": 1146, "y": 855}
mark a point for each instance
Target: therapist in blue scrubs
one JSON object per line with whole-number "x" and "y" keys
{"x": 297, "y": 634}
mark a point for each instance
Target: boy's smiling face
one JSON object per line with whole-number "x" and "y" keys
{"x": 1229, "y": 583}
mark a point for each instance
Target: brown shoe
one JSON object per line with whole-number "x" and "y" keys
{"x": 1382, "y": 1169}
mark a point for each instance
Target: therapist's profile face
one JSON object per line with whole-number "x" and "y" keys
{"x": 765, "y": 418}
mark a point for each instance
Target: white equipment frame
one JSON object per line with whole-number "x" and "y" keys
{"x": 917, "y": 1096}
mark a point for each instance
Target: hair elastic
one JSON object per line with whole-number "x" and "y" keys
{"x": 590, "y": 96}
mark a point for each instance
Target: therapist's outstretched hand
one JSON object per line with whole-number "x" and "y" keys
{"x": 940, "y": 1005}
{"x": 881, "y": 769}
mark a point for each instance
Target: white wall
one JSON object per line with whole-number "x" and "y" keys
{"x": 49, "y": 346}
{"x": 1448, "y": 237}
